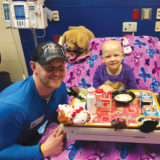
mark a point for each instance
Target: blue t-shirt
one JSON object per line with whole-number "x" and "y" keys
{"x": 22, "y": 112}
{"x": 126, "y": 77}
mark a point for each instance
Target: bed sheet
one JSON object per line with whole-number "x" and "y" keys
{"x": 144, "y": 60}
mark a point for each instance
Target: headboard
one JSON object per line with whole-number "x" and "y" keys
{"x": 144, "y": 60}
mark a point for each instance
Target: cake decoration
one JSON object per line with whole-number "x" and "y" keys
{"x": 81, "y": 116}
{"x": 74, "y": 115}
{"x": 147, "y": 125}
{"x": 65, "y": 113}
{"x": 118, "y": 123}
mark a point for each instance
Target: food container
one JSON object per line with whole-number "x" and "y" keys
{"x": 123, "y": 97}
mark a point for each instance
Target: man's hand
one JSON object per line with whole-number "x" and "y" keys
{"x": 106, "y": 88}
{"x": 54, "y": 143}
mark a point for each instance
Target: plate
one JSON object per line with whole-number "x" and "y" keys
{"x": 123, "y": 97}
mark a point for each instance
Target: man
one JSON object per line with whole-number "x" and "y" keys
{"x": 27, "y": 104}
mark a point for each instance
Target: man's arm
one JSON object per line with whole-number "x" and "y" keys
{"x": 16, "y": 152}
{"x": 10, "y": 126}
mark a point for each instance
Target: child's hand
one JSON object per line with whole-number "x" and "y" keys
{"x": 106, "y": 88}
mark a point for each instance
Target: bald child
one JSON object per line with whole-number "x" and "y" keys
{"x": 112, "y": 74}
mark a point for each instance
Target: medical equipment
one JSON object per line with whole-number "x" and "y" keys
{"x": 20, "y": 14}
{"x": 6, "y": 12}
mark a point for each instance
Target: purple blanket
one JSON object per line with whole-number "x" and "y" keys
{"x": 144, "y": 60}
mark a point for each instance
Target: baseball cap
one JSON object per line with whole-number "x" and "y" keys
{"x": 47, "y": 51}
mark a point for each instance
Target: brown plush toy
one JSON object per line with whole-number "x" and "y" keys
{"x": 76, "y": 41}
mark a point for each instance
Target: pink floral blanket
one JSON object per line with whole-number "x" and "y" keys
{"x": 144, "y": 60}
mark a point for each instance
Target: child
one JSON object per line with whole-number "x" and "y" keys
{"x": 113, "y": 74}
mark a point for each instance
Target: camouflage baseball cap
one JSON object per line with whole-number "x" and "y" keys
{"x": 45, "y": 52}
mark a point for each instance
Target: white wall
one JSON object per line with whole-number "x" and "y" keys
{"x": 12, "y": 57}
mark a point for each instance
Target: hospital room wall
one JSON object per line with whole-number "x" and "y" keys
{"x": 103, "y": 17}
{"x": 12, "y": 57}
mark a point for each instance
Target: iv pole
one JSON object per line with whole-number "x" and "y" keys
{"x": 34, "y": 36}
{"x": 32, "y": 29}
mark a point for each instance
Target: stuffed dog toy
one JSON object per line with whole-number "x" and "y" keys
{"x": 76, "y": 41}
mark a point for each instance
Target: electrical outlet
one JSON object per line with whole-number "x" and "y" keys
{"x": 129, "y": 26}
{"x": 158, "y": 13}
{"x": 157, "y": 26}
{"x": 56, "y": 16}
{"x": 146, "y": 14}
